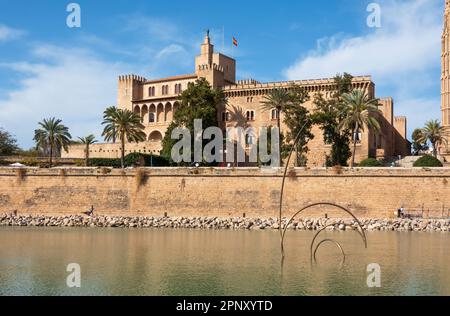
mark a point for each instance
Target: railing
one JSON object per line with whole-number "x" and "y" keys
{"x": 426, "y": 213}
{"x": 14, "y": 159}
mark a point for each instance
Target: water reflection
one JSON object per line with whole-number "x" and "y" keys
{"x": 188, "y": 262}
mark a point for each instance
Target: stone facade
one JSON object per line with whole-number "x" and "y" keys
{"x": 222, "y": 192}
{"x": 445, "y": 79}
{"x": 157, "y": 100}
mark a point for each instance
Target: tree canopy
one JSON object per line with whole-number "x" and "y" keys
{"x": 8, "y": 143}
{"x": 328, "y": 114}
{"x": 198, "y": 101}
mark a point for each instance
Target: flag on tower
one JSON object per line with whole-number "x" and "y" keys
{"x": 235, "y": 42}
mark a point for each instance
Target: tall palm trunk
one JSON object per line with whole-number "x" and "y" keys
{"x": 51, "y": 154}
{"x": 435, "y": 151}
{"x": 122, "y": 157}
{"x": 355, "y": 136}
{"x": 279, "y": 129}
{"x": 86, "y": 156}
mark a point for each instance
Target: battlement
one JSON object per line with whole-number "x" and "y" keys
{"x": 132, "y": 78}
{"x": 247, "y": 82}
{"x": 360, "y": 82}
{"x": 400, "y": 119}
{"x": 206, "y": 67}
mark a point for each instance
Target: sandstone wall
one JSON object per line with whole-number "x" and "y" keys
{"x": 222, "y": 192}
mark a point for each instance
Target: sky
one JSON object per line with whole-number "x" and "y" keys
{"x": 50, "y": 70}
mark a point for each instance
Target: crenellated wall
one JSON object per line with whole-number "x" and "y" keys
{"x": 373, "y": 193}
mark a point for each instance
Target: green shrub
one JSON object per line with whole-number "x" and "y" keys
{"x": 370, "y": 163}
{"x": 104, "y": 162}
{"x": 3, "y": 163}
{"x": 428, "y": 161}
{"x": 30, "y": 162}
{"x": 131, "y": 160}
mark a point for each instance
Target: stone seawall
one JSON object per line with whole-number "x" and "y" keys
{"x": 214, "y": 223}
{"x": 210, "y": 192}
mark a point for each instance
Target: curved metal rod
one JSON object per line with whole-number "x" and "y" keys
{"x": 283, "y": 234}
{"x": 297, "y": 139}
{"x": 334, "y": 242}
{"x": 322, "y": 230}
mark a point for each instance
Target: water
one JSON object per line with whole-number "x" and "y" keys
{"x": 189, "y": 262}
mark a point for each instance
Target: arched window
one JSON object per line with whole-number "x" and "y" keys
{"x": 152, "y": 114}
{"x": 155, "y": 136}
{"x": 251, "y": 115}
{"x": 151, "y": 91}
{"x": 274, "y": 114}
{"x": 165, "y": 89}
{"x": 178, "y": 88}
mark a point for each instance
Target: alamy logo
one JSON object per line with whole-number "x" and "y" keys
{"x": 74, "y": 278}
{"x": 374, "y": 18}
{"x": 74, "y": 18}
{"x": 238, "y": 145}
{"x": 374, "y": 278}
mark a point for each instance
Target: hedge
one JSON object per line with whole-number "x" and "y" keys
{"x": 131, "y": 160}
{"x": 370, "y": 162}
{"x": 428, "y": 161}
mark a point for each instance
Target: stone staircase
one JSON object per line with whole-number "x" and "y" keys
{"x": 407, "y": 162}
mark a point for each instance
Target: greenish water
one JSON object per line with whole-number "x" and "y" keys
{"x": 188, "y": 262}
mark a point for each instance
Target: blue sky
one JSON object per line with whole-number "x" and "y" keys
{"x": 48, "y": 69}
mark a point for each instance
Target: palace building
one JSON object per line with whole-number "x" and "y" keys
{"x": 157, "y": 100}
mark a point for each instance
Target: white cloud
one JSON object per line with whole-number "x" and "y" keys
{"x": 409, "y": 40}
{"x": 8, "y": 33}
{"x": 402, "y": 56}
{"x": 172, "y": 49}
{"x": 72, "y": 85}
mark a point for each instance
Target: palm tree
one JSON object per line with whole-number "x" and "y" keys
{"x": 433, "y": 132}
{"x": 107, "y": 115}
{"x": 279, "y": 99}
{"x": 125, "y": 125}
{"x": 51, "y": 136}
{"x": 88, "y": 141}
{"x": 359, "y": 111}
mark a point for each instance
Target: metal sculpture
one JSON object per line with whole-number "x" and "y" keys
{"x": 284, "y": 229}
{"x": 331, "y": 241}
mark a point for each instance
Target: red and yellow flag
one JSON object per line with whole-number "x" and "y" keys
{"x": 235, "y": 42}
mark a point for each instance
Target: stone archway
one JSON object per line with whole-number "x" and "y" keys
{"x": 152, "y": 114}
{"x": 168, "y": 114}
{"x": 160, "y": 113}
{"x": 155, "y": 136}
{"x": 137, "y": 110}
{"x": 144, "y": 114}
